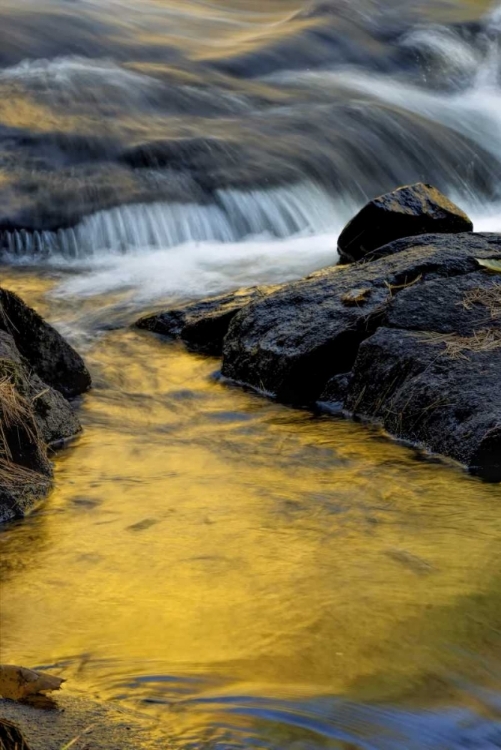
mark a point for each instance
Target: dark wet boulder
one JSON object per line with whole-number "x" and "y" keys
{"x": 55, "y": 417}
{"x": 25, "y": 470}
{"x": 447, "y": 400}
{"x": 19, "y": 491}
{"x": 201, "y": 325}
{"x": 411, "y": 340}
{"x": 46, "y": 351}
{"x": 409, "y": 211}
{"x": 461, "y": 305}
{"x": 472, "y": 240}
{"x": 34, "y": 416}
{"x": 291, "y": 342}
{"x": 434, "y": 377}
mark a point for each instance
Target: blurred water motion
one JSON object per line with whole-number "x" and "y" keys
{"x": 254, "y": 577}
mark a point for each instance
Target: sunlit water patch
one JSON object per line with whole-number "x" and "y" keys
{"x": 250, "y": 576}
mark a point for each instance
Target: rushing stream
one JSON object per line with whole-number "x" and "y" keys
{"x": 249, "y": 575}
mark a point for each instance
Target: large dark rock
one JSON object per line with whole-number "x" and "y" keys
{"x": 434, "y": 377}
{"x": 55, "y": 417}
{"x": 20, "y": 442}
{"x": 291, "y": 342}
{"x": 201, "y": 325}
{"x": 448, "y": 403}
{"x": 411, "y": 340}
{"x": 25, "y": 470}
{"x": 406, "y": 212}
{"x": 461, "y": 305}
{"x": 34, "y": 416}
{"x": 50, "y": 356}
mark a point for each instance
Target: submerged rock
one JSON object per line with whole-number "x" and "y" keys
{"x": 36, "y": 367}
{"x": 406, "y": 212}
{"x": 101, "y": 726}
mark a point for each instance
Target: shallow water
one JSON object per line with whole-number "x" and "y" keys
{"x": 253, "y": 575}
{"x": 250, "y": 575}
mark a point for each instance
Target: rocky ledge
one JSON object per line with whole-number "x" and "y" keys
{"x": 39, "y": 372}
{"x": 408, "y": 335}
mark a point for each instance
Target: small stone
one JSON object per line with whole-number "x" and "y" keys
{"x": 407, "y": 212}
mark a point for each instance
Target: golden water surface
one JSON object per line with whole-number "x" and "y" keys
{"x": 201, "y": 542}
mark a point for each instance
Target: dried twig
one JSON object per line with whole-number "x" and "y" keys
{"x": 74, "y": 741}
{"x": 489, "y": 297}
{"x": 458, "y": 347}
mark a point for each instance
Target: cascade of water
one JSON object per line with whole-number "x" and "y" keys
{"x": 279, "y": 212}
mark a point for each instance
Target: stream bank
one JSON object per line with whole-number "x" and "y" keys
{"x": 86, "y": 723}
{"x": 39, "y": 372}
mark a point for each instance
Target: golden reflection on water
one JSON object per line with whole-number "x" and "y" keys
{"x": 196, "y": 529}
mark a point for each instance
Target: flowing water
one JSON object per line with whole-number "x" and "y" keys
{"x": 248, "y": 575}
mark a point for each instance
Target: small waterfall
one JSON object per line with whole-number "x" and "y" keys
{"x": 235, "y": 214}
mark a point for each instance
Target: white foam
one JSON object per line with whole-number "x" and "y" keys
{"x": 486, "y": 218}
{"x": 189, "y": 250}
{"x": 452, "y": 53}
{"x": 201, "y": 269}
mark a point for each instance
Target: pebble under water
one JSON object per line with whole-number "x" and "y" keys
{"x": 248, "y": 575}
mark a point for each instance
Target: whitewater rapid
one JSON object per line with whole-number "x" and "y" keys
{"x": 256, "y": 179}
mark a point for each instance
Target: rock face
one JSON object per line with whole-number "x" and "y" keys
{"x": 203, "y": 325}
{"x": 411, "y": 340}
{"x": 406, "y": 212}
{"x": 446, "y": 400}
{"x": 37, "y": 366}
{"x": 291, "y": 342}
{"x": 437, "y": 365}
{"x": 45, "y": 350}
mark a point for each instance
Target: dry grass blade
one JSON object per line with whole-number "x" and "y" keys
{"x": 14, "y": 407}
{"x": 489, "y": 298}
{"x": 15, "y": 412}
{"x": 74, "y": 741}
{"x": 20, "y": 443}
{"x": 12, "y": 476}
{"x": 11, "y": 737}
{"x": 405, "y": 285}
{"x": 458, "y": 347}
